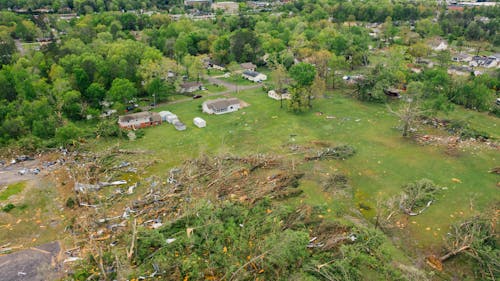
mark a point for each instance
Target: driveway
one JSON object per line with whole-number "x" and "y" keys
{"x": 231, "y": 88}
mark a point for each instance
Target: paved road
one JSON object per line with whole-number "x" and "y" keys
{"x": 231, "y": 88}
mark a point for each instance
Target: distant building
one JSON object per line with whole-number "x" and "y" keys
{"x": 254, "y": 76}
{"x": 167, "y": 116}
{"x": 197, "y": 2}
{"x": 179, "y": 126}
{"x": 279, "y": 96}
{"x": 211, "y": 64}
{"x": 484, "y": 61}
{"x": 139, "y": 120}
{"x": 221, "y": 106}
{"x": 199, "y": 122}
{"x": 248, "y": 66}
{"x": 227, "y": 7}
{"x": 462, "y": 58}
{"x": 189, "y": 87}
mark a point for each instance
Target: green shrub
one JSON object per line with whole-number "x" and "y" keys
{"x": 7, "y": 208}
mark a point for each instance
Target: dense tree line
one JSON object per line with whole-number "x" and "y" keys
{"x": 120, "y": 57}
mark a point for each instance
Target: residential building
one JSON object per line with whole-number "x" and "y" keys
{"x": 139, "y": 120}
{"x": 221, "y": 106}
{"x": 254, "y": 76}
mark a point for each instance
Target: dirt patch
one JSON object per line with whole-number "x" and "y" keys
{"x": 35, "y": 264}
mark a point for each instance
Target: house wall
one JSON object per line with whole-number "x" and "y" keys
{"x": 260, "y": 77}
{"x": 231, "y": 108}
{"x": 206, "y": 109}
{"x": 138, "y": 123}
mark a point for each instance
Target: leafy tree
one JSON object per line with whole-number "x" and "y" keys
{"x": 122, "y": 90}
{"x": 245, "y": 46}
{"x": 389, "y": 30}
{"x": 72, "y": 107}
{"x": 94, "y": 94}
{"x": 221, "y": 50}
{"x": 474, "y": 31}
{"x": 158, "y": 88}
{"x": 68, "y": 134}
{"x": 7, "y": 48}
{"x": 318, "y": 87}
{"x": 300, "y": 99}
{"x": 444, "y": 58}
{"x": 303, "y": 74}
{"x": 419, "y": 50}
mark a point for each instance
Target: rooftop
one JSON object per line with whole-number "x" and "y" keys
{"x": 251, "y": 73}
{"x": 219, "y": 104}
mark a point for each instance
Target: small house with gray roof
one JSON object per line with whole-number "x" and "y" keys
{"x": 221, "y": 106}
{"x": 139, "y": 120}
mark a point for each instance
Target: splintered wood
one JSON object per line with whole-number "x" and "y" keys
{"x": 166, "y": 198}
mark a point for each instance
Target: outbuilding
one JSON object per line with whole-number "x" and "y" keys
{"x": 199, "y": 122}
{"x": 179, "y": 125}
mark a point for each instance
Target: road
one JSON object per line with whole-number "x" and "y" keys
{"x": 231, "y": 88}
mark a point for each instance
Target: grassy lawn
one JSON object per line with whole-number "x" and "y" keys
{"x": 12, "y": 189}
{"x": 383, "y": 163}
{"x": 237, "y": 79}
{"x": 214, "y": 89}
{"x": 36, "y": 218}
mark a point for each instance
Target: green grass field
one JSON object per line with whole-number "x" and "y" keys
{"x": 12, "y": 189}
{"x": 384, "y": 161}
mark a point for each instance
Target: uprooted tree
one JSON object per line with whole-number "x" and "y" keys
{"x": 477, "y": 239}
{"x": 417, "y": 197}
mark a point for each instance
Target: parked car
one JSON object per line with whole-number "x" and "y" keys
{"x": 197, "y": 96}
{"x": 131, "y": 107}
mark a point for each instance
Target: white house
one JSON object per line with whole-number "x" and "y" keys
{"x": 441, "y": 47}
{"x": 274, "y": 95}
{"x": 221, "y": 106}
{"x": 254, "y": 76}
{"x": 228, "y": 7}
{"x": 199, "y": 122}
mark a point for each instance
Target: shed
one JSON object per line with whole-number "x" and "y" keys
{"x": 171, "y": 118}
{"x": 199, "y": 122}
{"x": 164, "y": 115}
{"x": 179, "y": 125}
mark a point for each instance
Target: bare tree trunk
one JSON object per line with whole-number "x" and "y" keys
{"x": 453, "y": 253}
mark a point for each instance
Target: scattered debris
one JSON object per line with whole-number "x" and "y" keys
{"x": 72, "y": 259}
{"x": 495, "y": 170}
{"x": 120, "y": 182}
{"x": 340, "y": 152}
